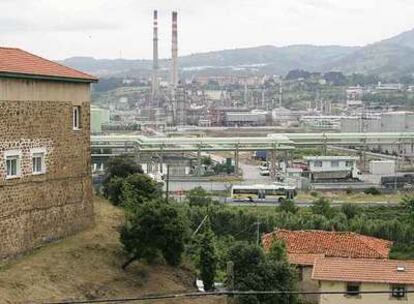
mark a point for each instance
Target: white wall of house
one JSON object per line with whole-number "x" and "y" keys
{"x": 362, "y": 298}
{"x": 306, "y": 284}
{"x": 334, "y": 164}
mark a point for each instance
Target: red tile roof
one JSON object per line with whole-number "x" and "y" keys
{"x": 364, "y": 270}
{"x": 329, "y": 244}
{"x": 17, "y": 62}
{"x": 304, "y": 259}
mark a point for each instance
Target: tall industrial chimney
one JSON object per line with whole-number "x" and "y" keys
{"x": 174, "y": 51}
{"x": 155, "y": 66}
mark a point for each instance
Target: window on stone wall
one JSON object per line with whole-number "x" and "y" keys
{"x": 12, "y": 166}
{"x": 38, "y": 163}
{"x": 76, "y": 116}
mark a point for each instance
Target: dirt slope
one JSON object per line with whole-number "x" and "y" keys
{"x": 87, "y": 266}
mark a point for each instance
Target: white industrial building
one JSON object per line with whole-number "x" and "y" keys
{"x": 401, "y": 121}
{"x": 321, "y": 121}
{"x": 283, "y": 114}
{"x": 332, "y": 167}
{"x": 253, "y": 118}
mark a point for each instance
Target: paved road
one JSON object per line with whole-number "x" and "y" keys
{"x": 251, "y": 175}
{"x": 270, "y": 203}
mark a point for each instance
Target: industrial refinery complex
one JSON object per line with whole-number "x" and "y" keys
{"x": 251, "y": 129}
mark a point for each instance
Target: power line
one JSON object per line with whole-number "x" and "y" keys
{"x": 218, "y": 293}
{"x": 245, "y": 230}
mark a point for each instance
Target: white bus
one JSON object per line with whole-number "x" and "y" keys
{"x": 277, "y": 192}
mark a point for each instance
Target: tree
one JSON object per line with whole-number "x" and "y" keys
{"x": 157, "y": 228}
{"x": 122, "y": 166}
{"x": 336, "y": 78}
{"x": 118, "y": 168}
{"x": 208, "y": 258}
{"x": 408, "y": 204}
{"x": 207, "y": 161}
{"x": 323, "y": 207}
{"x": 296, "y": 74}
{"x": 198, "y": 197}
{"x": 278, "y": 251}
{"x": 350, "y": 210}
{"x": 254, "y": 270}
{"x": 137, "y": 189}
{"x": 288, "y": 206}
{"x": 113, "y": 189}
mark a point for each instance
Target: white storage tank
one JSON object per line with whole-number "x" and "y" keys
{"x": 382, "y": 167}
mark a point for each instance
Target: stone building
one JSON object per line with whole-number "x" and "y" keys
{"x": 45, "y": 178}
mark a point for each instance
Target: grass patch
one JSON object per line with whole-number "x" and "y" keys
{"x": 88, "y": 266}
{"x": 357, "y": 197}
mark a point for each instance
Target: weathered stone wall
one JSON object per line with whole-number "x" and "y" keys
{"x": 39, "y": 208}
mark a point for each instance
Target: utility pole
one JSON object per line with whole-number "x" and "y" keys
{"x": 258, "y": 232}
{"x": 167, "y": 189}
{"x": 230, "y": 281}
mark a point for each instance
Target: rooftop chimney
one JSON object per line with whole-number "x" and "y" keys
{"x": 174, "y": 51}
{"x": 155, "y": 66}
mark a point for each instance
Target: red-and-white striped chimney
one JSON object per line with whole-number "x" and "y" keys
{"x": 174, "y": 51}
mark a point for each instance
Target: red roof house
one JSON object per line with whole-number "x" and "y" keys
{"x": 304, "y": 246}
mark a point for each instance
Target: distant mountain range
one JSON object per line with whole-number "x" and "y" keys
{"x": 387, "y": 58}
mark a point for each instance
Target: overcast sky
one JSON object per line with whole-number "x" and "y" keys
{"x": 59, "y": 29}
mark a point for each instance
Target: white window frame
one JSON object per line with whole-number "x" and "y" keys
{"x": 334, "y": 163}
{"x": 17, "y": 155}
{"x": 348, "y": 163}
{"x": 76, "y": 117}
{"x": 39, "y": 152}
{"x": 318, "y": 164}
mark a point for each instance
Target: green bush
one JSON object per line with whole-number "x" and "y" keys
{"x": 323, "y": 207}
{"x": 288, "y": 206}
{"x": 350, "y": 210}
{"x": 372, "y": 191}
{"x": 198, "y": 197}
{"x": 314, "y": 193}
{"x": 113, "y": 190}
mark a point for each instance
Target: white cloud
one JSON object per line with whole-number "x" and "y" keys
{"x": 103, "y": 28}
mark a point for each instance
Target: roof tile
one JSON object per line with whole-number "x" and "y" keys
{"x": 364, "y": 270}
{"x": 329, "y": 244}
{"x": 17, "y": 61}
